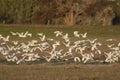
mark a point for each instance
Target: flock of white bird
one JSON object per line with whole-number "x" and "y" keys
{"x": 80, "y": 50}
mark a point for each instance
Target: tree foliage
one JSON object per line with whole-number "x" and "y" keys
{"x": 53, "y": 11}
{"x": 17, "y": 11}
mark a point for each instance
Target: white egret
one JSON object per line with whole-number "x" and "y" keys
{"x": 24, "y": 35}
{"x": 67, "y": 44}
{"x": 6, "y": 38}
{"x": 110, "y": 45}
{"x": 56, "y": 44}
{"x": 77, "y": 59}
{"x": 87, "y": 57}
{"x": 92, "y": 41}
{"x": 40, "y": 34}
{"x": 110, "y": 39}
{"x": 43, "y": 38}
{"x": 119, "y": 44}
{"x": 20, "y": 60}
{"x": 15, "y": 42}
{"x": 84, "y": 35}
{"x": 65, "y": 37}
{"x": 76, "y": 34}
{"x": 11, "y": 59}
{"x": 58, "y": 33}
{"x": 13, "y": 33}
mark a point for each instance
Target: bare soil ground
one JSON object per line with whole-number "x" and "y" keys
{"x": 60, "y": 72}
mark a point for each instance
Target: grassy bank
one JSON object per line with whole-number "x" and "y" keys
{"x": 91, "y": 30}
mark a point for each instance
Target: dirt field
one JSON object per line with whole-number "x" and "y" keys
{"x": 60, "y": 72}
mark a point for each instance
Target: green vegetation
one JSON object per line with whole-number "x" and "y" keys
{"x": 95, "y": 31}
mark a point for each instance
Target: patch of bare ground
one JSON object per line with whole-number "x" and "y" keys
{"x": 60, "y": 72}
